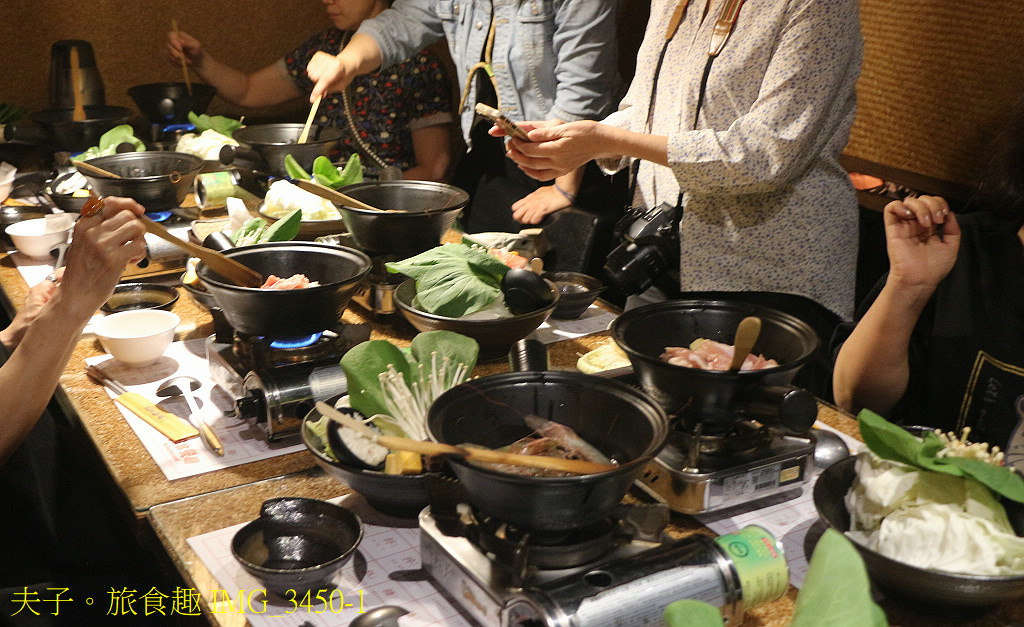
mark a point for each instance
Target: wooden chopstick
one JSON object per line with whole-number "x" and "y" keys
{"x": 575, "y": 466}
{"x": 184, "y": 65}
{"x": 309, "y": 120}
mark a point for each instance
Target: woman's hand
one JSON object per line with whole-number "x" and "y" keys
{"x": 38, "y": 296}
{"x": 102, "y": 245}
{"x": 182, "y": 45}
{"x": 922, "y": 240}
{"x": 556, "y": 148}
{"x": 538, "y": 204}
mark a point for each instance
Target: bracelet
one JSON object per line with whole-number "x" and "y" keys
{"x": 570, "y": 197}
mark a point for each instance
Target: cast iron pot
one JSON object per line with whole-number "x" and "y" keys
{"x": 289, "y": 313}
{"x": 715, "y": 397}
{"x": 169, "y": 103}
{"x": 64, "y": 133}
{"x": 274, "y": 142}
{"x": 159, "y": 181}
{"x": 620, "y": 421}
{"x": 933, "y": 588}
{"x": 426, "y": 210}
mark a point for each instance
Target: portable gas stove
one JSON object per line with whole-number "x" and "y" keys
{"x": 620, "y": 571}
{"x": 276, "y": 382}
{"x": 697, "y": 473}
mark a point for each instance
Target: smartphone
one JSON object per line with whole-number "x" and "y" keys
{"x": 502, "y": 120}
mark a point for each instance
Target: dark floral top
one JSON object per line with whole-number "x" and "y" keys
{"x": 386, "y": 106}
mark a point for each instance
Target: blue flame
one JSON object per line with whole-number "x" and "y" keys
{"x": 296, "y": 342}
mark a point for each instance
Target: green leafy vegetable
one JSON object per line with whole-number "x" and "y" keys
{"x": 109, "y": 142}
{"x": 326, "y": 173}
{"x": 284, "y": 229}
{"x": 250, "y": 232}
{"x": 10, "y": 113}
{"x": 692, "y": 613}
{"x": 221, "y": 124}
{"x": 836, "y": 589}
{"x": 453, "y": 279}
{"x": 294, "y": 170}
{"x": 396, "y": 389}
{"x": 889, "y": 441}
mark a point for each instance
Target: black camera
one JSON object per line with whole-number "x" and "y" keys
{"x": 650, "y": 249}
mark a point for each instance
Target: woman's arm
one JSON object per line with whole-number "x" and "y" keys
{"x": 266, "y": 87}
{"x": 101, "y": 247}
{"x": 557, "y": 148}
{"x": 432, "y": 145}
{"x": 872, "y": 369}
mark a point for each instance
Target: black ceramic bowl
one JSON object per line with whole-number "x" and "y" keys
{"x": 129, "y": 296}
{"x": 713, "y": 396}
{"x": 69, "y": 203}
{"x": 622, "y": 422}
{"x": 289, "y": 313}
{"x": 495, "y": 336}
{"x": 297, "y": 545}
{"x": 920, "y": 585}
{"x": 274, "y": 142}
{"x": 578, "y": 292}
{"x": 424, "y": 211}
{"x": 403, "y": 496}
{"x": 159, "y": 181}
{"x": 169, "y": 103}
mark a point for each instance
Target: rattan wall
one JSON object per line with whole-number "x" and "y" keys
{"x": 938, "y": 77}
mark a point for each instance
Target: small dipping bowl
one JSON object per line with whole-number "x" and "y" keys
{"x": 578, "y": 292}
{"x": 297, "y": 545}
{"x": 137, "y": 338}
{"x": 132, "y": 296}
{"x": 31, "y": 238}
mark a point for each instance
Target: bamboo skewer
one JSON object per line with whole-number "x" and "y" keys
{"x": 309, "y": 120}
{"x": 575, "y": 466}
{"x": 184, "y": 65}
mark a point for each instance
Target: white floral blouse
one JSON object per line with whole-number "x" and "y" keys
{"x": 767, "y": 207}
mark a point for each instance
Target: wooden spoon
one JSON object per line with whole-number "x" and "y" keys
{"x": 222, "y": 265}
{"x": 78, "y": 114}
{"x": 184, "y": 65}
{"x": 575, "y": 466}
{"x": 746, "y": 335}
{"x": 309, "y": 120}
{"x": 337, "y": 197}
{"x": 83, "y": 165}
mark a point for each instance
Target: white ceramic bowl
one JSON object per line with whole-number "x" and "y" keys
{"x": 137, "y": 338}
{"x": 31, "y": 239}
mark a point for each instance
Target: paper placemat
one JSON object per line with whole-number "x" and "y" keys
{"x": 385, "y": 570}
{"x": 243, "y": 442}
{"x": 593, "y": 320}
{"x": 788, "y": 520}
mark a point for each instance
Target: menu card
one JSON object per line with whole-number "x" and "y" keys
{"x": 385, "y": 570}
{"x": 243, "y": 442}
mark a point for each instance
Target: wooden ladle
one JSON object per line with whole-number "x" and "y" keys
{"x": 747, "y": 332}
{"x": 85, "y": 165}
{"x": 336, "y": 197}
{"x": 575, "y": 466}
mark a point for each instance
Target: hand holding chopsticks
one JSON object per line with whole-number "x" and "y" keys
{"x": 184, "y": 65}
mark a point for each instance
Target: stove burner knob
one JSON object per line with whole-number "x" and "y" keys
{"x": 791, "y": 408}
{"x": 249, "y": 407}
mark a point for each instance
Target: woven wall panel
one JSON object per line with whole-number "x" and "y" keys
{"x": 937, "y": 79}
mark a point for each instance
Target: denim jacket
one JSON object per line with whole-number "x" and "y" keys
{"x": 551, "y": 58}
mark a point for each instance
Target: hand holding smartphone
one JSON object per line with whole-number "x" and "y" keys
{"x": 499, "y": 118}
